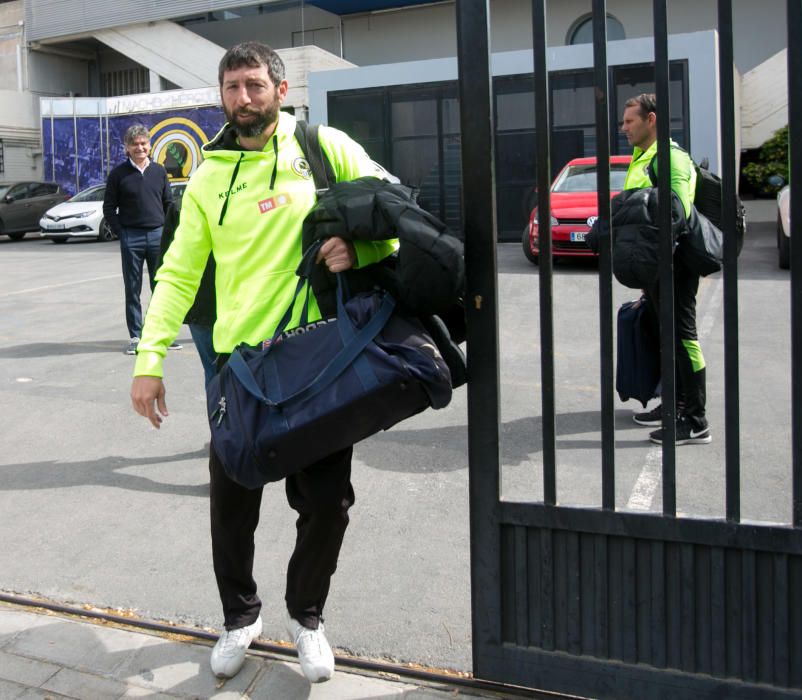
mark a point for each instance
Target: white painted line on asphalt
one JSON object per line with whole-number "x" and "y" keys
{"x": 62, "y": 284}
{"x": 645, "y": 487}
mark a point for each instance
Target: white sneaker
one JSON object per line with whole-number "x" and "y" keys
{"x": 314, "y": 652}
{"x": 228, "y": 654}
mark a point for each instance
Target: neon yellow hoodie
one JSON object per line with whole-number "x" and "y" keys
{"x": 683, "y": 174}
{"x": 254, "y": 231}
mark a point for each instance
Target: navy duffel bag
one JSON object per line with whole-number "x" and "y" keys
{"x": 308, "y": 392}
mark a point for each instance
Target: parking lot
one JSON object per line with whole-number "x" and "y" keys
{"x": 99, "y": 508}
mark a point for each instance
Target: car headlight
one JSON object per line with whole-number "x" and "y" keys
{"x": 554, "y": 221}
{"x": 82, "y": 215}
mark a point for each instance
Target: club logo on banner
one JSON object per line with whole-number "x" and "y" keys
{"x": 176, "y": 144}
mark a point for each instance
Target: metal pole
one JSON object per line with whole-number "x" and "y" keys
{"x": 795, "y": 178}
{"x": 479, "y": 209}
{"x": 666, "y": 258}
{"x": 728, "y": 179}
{"x": 543, "y": 133}
{"x": 605, "y": 253}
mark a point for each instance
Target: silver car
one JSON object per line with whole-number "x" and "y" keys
{"x": 784, "y": 227}
{"x": 78, "y": 217}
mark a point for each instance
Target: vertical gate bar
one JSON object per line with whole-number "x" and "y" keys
{"x": 509, "y": 583}
{"x": 560, "y": 587}
{"x": 728, "y": 179}
{"x": 733, "y": 560}
{"x": 666, "y": 258}
{"x": 587, "y": 592}
{"x": 673, "y": 624}
{"x": 629, "y": 597}
{"x": 644, "y": 610}
{"x": 519, "y": 575}
{"x": 764, "y": 639}
{"x": 605, "y": 253}
{"x": 547, "y": 588}
{"x": 718, "y": 612}
{"x": 687, "y": 608}
{"x": 795, "y": 621}
{"x": 658, "y": 618}
{"x": 615, "y": 597}
{"x": 780, "y": 619}
{"x": 748, "y": 616}
{"x": 795, "y": 178}
{"x": 703, "y": 596}
{"x": 535, "y": 602}
{"x": 601, "y": 605}
{"x": 479, "y": 217}
{"x": 574, "y": 593}
{"x": 543, "y": 136}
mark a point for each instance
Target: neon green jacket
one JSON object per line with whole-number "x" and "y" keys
{"x": 683, "y": 174}
{"x": 254, "y": 230}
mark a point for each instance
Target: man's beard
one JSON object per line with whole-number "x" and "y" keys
{"x": 252, "y": 129}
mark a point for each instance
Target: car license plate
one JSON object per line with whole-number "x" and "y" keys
{"x": 578, "y": 236}
{"x": 61, "y": 227}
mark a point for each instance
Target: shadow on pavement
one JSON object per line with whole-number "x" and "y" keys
{"x": 105, "y": 471}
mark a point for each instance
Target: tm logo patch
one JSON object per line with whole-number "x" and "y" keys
{"x": 279, "y": 200}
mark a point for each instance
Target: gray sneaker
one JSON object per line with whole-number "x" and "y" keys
{"x": 132, "y": 346}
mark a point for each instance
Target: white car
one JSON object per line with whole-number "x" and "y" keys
{"x": 78, "y": 217}
{"x": 784, "y": 227}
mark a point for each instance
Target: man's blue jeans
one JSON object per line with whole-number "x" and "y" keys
{"x": 137, "y": 246}
{"x": 202, "y": 337}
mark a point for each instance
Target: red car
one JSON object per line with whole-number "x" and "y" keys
{"x": 573, "y": 207}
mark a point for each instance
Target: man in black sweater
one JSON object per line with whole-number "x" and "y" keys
{"x": 137, "y": 197}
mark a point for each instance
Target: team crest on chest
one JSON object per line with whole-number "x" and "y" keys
{"x": 301, "y": 167}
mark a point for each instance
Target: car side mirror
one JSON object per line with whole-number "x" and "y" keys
{"x": 9, "y": 198}
{"x": 776, "y": 180}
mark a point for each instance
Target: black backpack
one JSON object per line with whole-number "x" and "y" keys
{"x": 320, "y": 166}
{"x": 707, "y": 198}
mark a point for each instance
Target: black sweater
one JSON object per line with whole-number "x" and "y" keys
{"x": 136, "y": 200}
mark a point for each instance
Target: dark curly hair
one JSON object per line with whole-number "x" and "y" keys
{"x": 253, "y": 54}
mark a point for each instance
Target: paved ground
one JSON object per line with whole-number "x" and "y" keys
{"x": 101, "y": 509}
{"x": 49, "y": 656}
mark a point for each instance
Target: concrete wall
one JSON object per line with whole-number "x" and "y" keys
{"x": 11, "y": 42}
{"x": 429, "y": 32}
{"x": 699, "y": 49}
{"x": 274, "y": 28}
{"x": 51, "y": 74}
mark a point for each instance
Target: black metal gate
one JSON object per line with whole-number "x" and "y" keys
{"x": 594, "y": 601}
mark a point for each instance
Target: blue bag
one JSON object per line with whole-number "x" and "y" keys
{"x": 310, "y": 391}
{"x": 637, "y": 372}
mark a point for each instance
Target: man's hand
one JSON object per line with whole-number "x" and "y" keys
{"x": 145, "y": 392}
{"x": 338, "y": 254}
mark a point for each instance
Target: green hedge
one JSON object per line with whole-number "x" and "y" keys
{"x": 772, "y": 160}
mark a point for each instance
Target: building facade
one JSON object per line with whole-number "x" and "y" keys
{"x": 394, "y": 87}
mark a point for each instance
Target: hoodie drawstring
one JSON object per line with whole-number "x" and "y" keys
{"x": 230, "y": 187}
{"x": 234, "y": 178}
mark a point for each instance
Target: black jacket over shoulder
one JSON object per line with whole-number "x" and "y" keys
{"x": 135, "y": 199}
{"x": 426, "y": 275}
{"x": 636, "y": 235}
